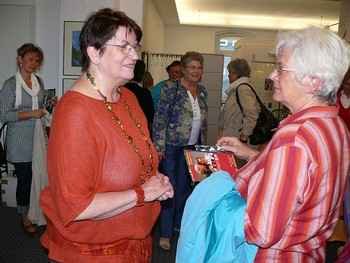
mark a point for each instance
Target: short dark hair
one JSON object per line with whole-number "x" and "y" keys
{"x": 173, "y": 64}
{"x": 100, "y": 27}
{"x": 239, "y": 66}
{"x": 28, "y": 48}
{"x": 139, "y": 70}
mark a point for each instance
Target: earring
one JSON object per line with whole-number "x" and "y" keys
{"x": 20, "y": 64}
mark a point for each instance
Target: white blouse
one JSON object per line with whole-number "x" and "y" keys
{"x": 196, "y": 123}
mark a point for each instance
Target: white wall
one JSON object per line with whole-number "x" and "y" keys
{"x": 42, "y": 31}
{"x": 153, "y": 30}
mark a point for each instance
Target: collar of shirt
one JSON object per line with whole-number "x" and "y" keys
{"x": 312, "y": 112}
{"x": 235, "y": 84}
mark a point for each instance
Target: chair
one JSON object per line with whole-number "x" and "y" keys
{"x": 3, "y": 162}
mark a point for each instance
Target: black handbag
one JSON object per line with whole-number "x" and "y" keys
{"x": 265, "y": 123}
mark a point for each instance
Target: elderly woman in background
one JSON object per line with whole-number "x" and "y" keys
{"x": 233, "y": 122}
{"x": 180, "y": 123}
{"x": 295, "y": 186}
{"x": 102, "y": 201}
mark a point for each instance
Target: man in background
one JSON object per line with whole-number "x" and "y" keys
{"x": 174, "y": 72}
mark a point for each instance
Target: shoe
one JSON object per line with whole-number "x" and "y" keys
{"x": 27, "y": 231}
{"x": 164, "y": 243}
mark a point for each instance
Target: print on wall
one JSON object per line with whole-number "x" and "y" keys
{"x": 71, "y": 48}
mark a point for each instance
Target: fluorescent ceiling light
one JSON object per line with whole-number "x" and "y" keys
{"x": 190, "y": 16}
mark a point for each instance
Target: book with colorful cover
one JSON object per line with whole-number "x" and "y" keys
{"x": 202, "y": 163}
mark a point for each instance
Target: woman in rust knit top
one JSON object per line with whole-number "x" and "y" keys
{"x": 102, "y": 203}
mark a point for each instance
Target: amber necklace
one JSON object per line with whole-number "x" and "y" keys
{"x": 145, "y": 174}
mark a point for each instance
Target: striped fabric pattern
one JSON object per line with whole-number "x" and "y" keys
{"x": 295, "y": 187}
{"x": 20, "y": 134}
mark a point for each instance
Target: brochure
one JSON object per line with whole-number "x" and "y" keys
{"x": 201, "y": 163}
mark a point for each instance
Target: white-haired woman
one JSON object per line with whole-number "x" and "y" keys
{"x": 295, "y": 186}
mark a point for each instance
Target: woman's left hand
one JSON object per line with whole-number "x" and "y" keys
{"x": 54, "y": 101}
{"x": 158, "y": 188}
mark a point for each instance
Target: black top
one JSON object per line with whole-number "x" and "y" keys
{"x": 144, "y": 98}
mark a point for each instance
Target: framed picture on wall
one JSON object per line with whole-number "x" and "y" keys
{"x": 71, "y": 48}
{"x": 67, "y": 83}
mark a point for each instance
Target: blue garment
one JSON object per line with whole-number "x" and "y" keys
{"x": 212, "y": 228}
{"x": 173, "y": 120}
{"x": 175, "y": 167}
{"x": 155, "y": 93}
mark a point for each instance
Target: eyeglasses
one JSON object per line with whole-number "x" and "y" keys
{"x": 194, "y": 68}
{"x": 281, "y": 69}
{"x": 126, "y": 48}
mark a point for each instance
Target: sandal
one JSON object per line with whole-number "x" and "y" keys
{"x": 27, "y": 229}
{"x": 164, "y": 243}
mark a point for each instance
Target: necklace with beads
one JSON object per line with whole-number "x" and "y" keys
{"x": 145, "y": 173}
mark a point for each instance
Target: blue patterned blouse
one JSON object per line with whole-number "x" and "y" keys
{"x": 174, "y": 116}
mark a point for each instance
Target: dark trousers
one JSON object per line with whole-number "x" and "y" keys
{"x": 175, "y": 167}
{"x": 24, "y": 182}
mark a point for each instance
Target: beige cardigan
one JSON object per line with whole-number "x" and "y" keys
{"x": 232, "y": 122}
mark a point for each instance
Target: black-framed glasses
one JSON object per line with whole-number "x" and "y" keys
{"x": 126, "y": 48}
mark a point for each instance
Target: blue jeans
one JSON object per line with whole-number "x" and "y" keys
{"x": 175, "y": 167}
{"x": 24, "y": 183}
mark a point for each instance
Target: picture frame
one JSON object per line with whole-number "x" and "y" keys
{"x": 71, "y": 48}
{"x": 67, "y": 83}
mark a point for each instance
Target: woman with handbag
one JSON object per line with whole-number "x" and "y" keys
{"x": 180, "y": 122}
{"x": 233, "y": 121}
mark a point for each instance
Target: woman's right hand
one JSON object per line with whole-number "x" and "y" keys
{"x": 37, "y": 114}
{"x": 158, "y": 188}
{"x": 233, "y": 144}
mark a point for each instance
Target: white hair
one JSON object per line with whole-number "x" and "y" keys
{"x": 316, "y": 52}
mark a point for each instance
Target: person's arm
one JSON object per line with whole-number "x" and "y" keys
{"x": 106, "y": 205}
{"x": 234, "y": 145}
{"x": 26, "y": 115}
{"x": 7, "y": 111}
{"x": 78, "y": 157}
{"x": 281, "y": 191}
{"x": 163, "y": 114}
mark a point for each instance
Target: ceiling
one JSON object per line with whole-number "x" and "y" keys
{"x": 254, "y": 14}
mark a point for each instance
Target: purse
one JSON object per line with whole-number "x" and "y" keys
{"x": 265, "y": 123}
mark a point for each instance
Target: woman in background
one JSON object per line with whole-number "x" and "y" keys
{"x": 233, "y": 121}
{"x": 147, "y": 81}
{"x": 102, "y": 201}
{"x": 343, "y": 99}
{"x": 21, "y": 98}
{"x": 179, "y": 123}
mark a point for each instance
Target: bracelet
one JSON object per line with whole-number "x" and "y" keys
{"x": 140, "y": 195}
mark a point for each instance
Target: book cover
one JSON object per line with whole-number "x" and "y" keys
{"x": 48, "y": 95}
{"x": 203, "y": 163}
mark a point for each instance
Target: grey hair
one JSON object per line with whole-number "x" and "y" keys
{"x": 239, "y": 66}
{"x": 316, "y": 52}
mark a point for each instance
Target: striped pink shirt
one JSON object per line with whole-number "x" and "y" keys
{"x": 295, "y": 187}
